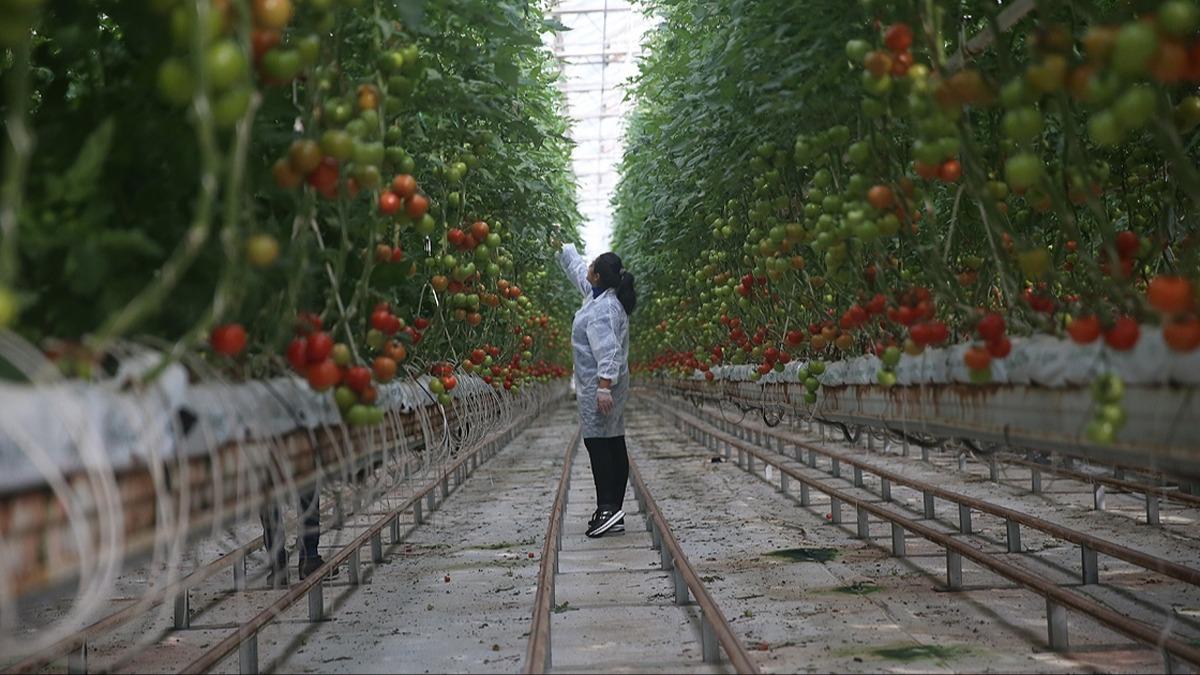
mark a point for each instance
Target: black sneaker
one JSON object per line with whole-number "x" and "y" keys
{"x": 618, "y": 526}
{"x": 605, "y": 521}
{"x": 310, "y": 565}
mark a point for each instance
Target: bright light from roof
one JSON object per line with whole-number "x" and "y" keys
{"x": 597, "y": 56}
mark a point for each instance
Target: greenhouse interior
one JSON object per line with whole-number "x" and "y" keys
{"x": 599, "y": 336}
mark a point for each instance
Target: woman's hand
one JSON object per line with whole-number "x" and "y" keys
{"x": 604, "y": 401}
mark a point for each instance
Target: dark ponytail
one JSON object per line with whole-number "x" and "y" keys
{"x": 614, "y": 275}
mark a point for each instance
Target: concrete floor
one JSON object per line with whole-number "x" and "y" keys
{"x": 805, "y": 595}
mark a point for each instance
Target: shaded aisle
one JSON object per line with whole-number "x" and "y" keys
{"x": 614, "y": 604}
{"x": 455, "y": 596}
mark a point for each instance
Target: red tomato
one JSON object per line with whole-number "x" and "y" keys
{"x": 379, "y": 319}
{"x": 323, "y": 374}
{"x": 480, "y": 230}
{"x": 319, "y": 346}
{"x": 950, "y": 171}
{"x": 228, "y": 340}
{"x": 1170, "y": 294}
{"x": 297, "y": 354}
{"x": 450, "y": 382}
{"x": 384, "y": 367}
{"x": 1084, "y": 330}
{"x": 420, "y": 323}
{"x": 999, "y": 348}
{"x": 358, "y": 378}
{"x": 1182, "y": 335}
{"x": 991, "y": 327}
{"x": 898, "y": 37}
{"x": 880, "y": 197}
{"x": 926, "y": 171}
{"x": 405, "y": 186}
{"x": 1123, "y": 335}
{"x": 417, "y": 207}
{"x": 325, "y": 177}
{"x": 1127, "y": 243}
{"x": 389, "y": 203}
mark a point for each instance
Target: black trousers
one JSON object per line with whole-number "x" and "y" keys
{"x": 310, "y": 528}
{"x": 610, "y": 470}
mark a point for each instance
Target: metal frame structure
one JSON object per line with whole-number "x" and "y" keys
{"x": 597, "y": 55}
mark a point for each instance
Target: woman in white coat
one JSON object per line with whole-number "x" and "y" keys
{"x": 600, "y": 341}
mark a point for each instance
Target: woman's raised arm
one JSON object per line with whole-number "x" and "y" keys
{"x": 574, "y": 267}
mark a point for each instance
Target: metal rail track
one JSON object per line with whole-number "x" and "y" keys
{"x": 1058, "y": 598}
{"x": 1152, "y": 494}
{"x": 245, "y": 638}
{"x": 716, "y": 635}
{"x": 74, "y": 647}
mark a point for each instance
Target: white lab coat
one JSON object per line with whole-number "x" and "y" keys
{"x": 600, "y": 341}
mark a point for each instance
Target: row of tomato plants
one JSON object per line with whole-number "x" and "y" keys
{"x": 891, "y": 191}
{"x": 356, "y": 190}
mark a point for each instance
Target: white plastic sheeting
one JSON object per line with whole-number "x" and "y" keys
{"x": 1041, "y": 360}
{"x": 56, "y": 429}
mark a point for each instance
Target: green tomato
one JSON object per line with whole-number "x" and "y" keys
{"x": 857, "y": 50}
{"x": 8, "y": 307}
{"x": 375, "y": 339}
{"x": 175, "y": 81}
{"x": 810, "y": 397}
{"x": 225, "y": 65}
{"x": 886, "y": 378}
{"x": 341, "y": 354}
{"x": 1023, "y": 124}
{"x": 817, "y": 368}
{"x": 1135, "y": 107}
{"x": 1178, "y": 18}
{"x": 1104, "y": 130}
{"x": 337, "y": 144}
{"x": 891, "y": 356}
{"x": 229, "y": 107}
{"x": 282, "y": 64}
{"x": 309, "y": 48}
{"x": 436, "y": 386}
{"x": 1024, "y": 170}
{"x": 345, "y": 398}
{"x": 1135, "y": 45}
{"x": 358, "y": 416}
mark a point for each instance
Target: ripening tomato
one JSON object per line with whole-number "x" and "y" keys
{"x": 273, "y": 14}
{"x": 319, "y": 347}
{"x": 324, "y": 178}
{"x": 480, "y": 230}
{"x": 229, "y": 339}
{"x": 323, "y": 375}
{"x": 417, "y": 206}
{"x": 1170, "y": 294}
{"x": 1182, "y": 335}
{"x": 285, "y": 176}
{"x": 880, "y": 197}
{"x": 926, "y": 171}
{"x": 977, "y": 359}
{"x": 1084, "y": 329}
{"x": 405, "y": 186}
{"x": 1123, "y": 335}
{"x": 1127, "y": 243}
{"x": 950, "y": 171}
{"x": 389, "y": 203}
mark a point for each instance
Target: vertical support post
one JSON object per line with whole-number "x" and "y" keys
{"x": 953, "y": 570}
{"x": 445, "y": 486}
{"x": 376, "y": 548}
{"x": 749, "y": 462}
{"x": 962, "y": 463}
{"x": 183, "y": 617}
{"x": 316, "y": 602}
{"x": 1056, "y": 626}
{"x": 1098, "y": 496}
{"x": 864, "y": 525}
{"x": 964, "y": 519}
{"x": 1035, "y": 482}
{"x": 708, "y": 641}
{"x": 870, "y": 439}
{"x": 898, "y": 541}
{"x": 394, "y": 527}
{"x": 804, "y": 497}
{"x": 929, "y": 511}
{"x": 418, "y": 517}
{"x": 812, "y": 458}
{"x": 835, "y": 510}
{"x": 924, "y": 454}
{"x": 77, "y": 660}
{"x": 993, "y": 470}
{"x": 858, "y": 476}
{"x": 1152, "y": 509}
{"x": 681, "y": 589}
{"x": 835, "y": 468}
{"x": 885, "y": 489}
{"x": 248, "y": 656}
{"x": 728, "y": 451}
{"x": 1091, "y": 567}
{"x": 783, "y": 482}
{"x": 430, "y": 501}
{"x": 354, "y": 570}
{"x": 339, "y": 514}
{"x": 239, "y": 573}
{"x": 904, "y": 447}
{"x": 1014, "y": 535}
